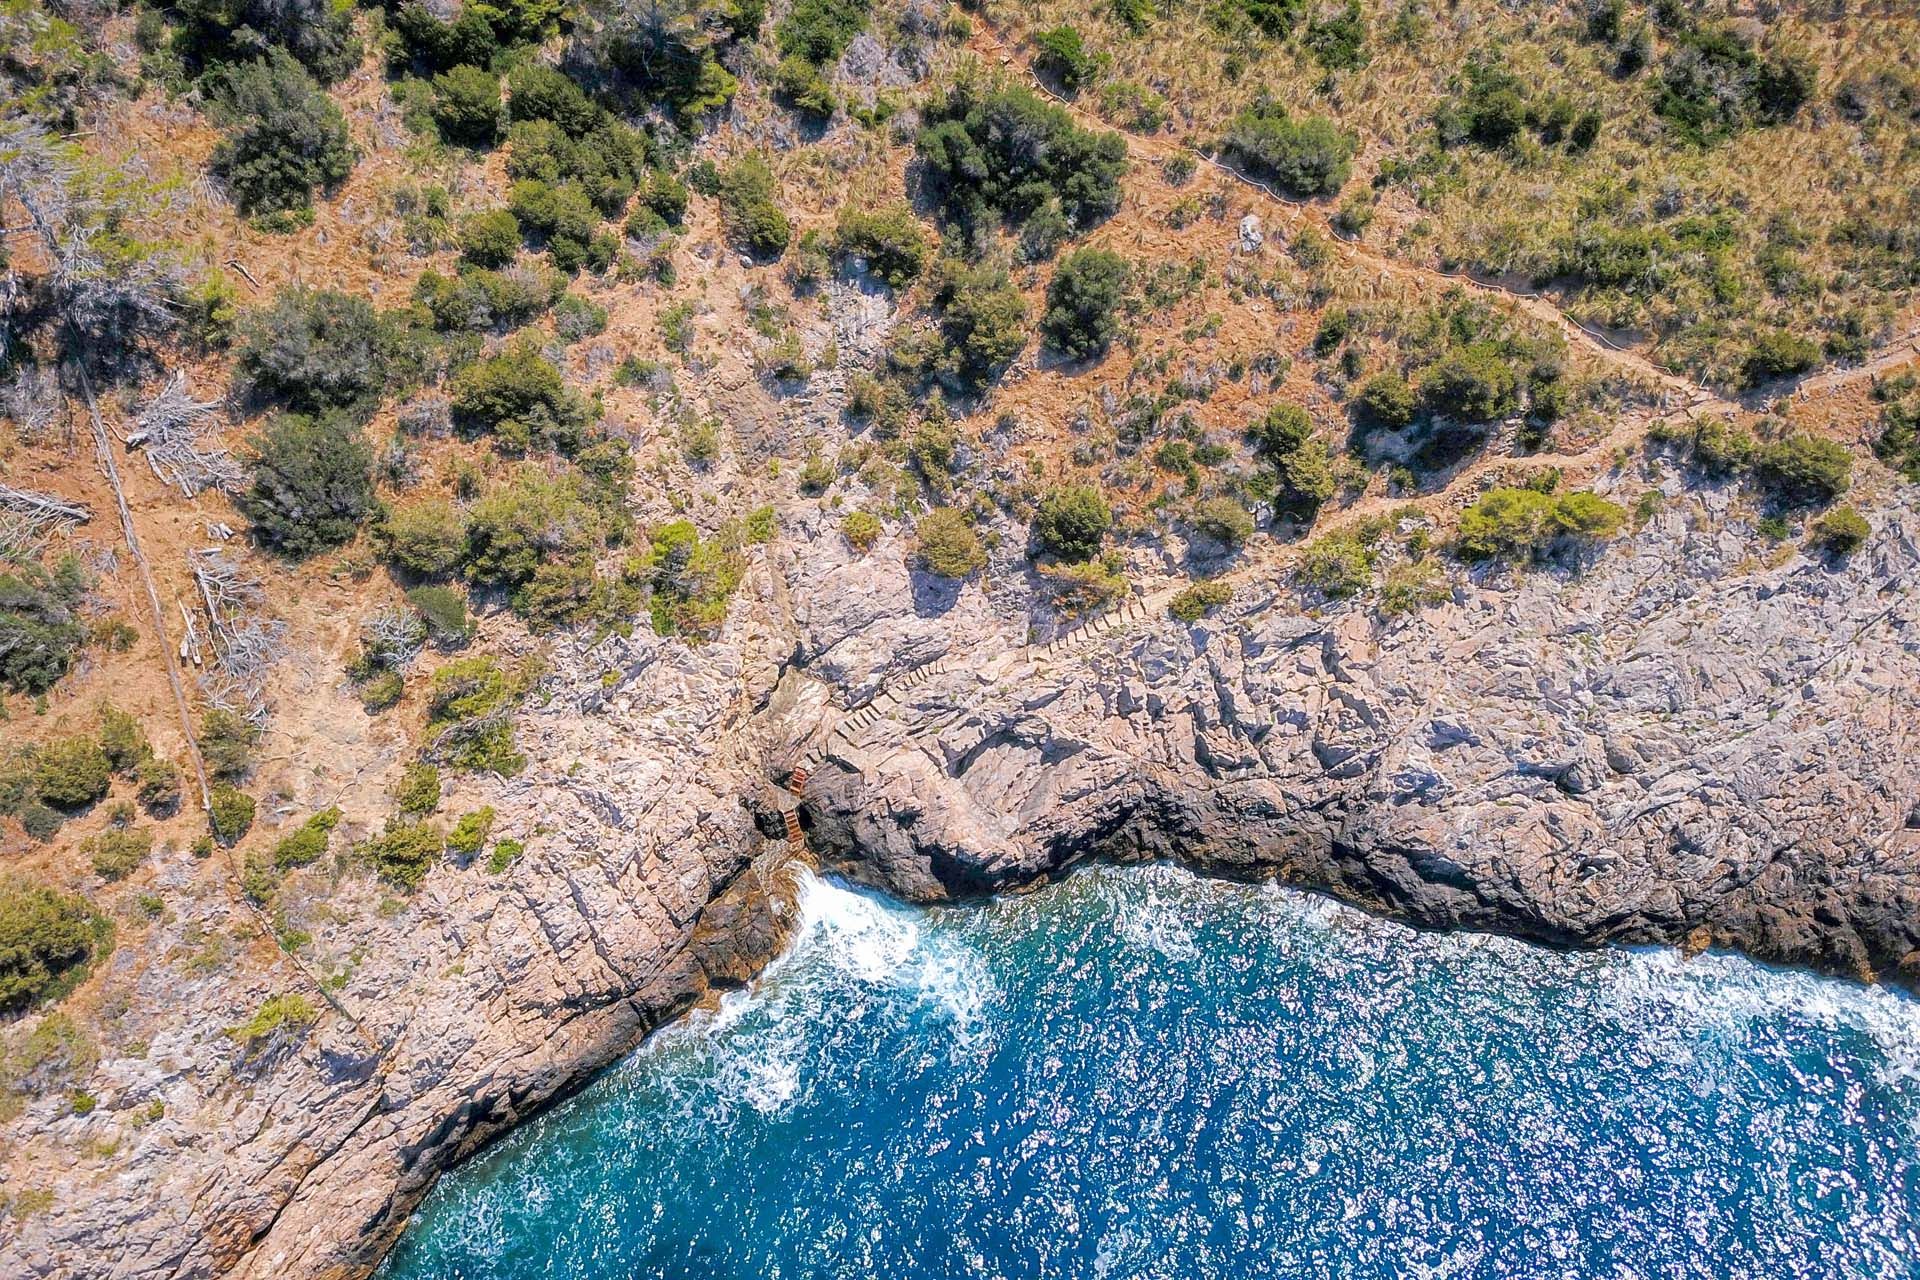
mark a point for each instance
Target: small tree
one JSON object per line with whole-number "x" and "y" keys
{"x": 1386, "y": 400}
{"x": 319, "y": 349}
{"x": 285, "y": 138}
{"x": 1081, "y": 300}
{"x": 1805, "y": 470}
{"x": 1308, "y": 157}
{"x": 1224, "y": 520}
{"x": 1473, "y": 384}
{"x": 40, "y": 628}
{"x": 521, "y": 397}
{"x": 1072, "y": 520}
{"x": 983, "y": 320}
{"x": 1060, "y": 52}
{"x": 47, "y": 941}
{"x": 889, "y": 239}
{"x": 312, "y": 483}
{"x": 490, "y": 238}
{"x": 426, "y": 538}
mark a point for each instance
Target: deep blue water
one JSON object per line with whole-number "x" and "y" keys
{"x": 1140, "y": 1073}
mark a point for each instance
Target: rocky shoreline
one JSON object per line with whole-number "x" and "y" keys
{"x": 1677, "y": 746}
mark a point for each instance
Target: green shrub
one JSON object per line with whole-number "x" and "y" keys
{"x": 121, "y": 739}
{"x": 1777, "y": 353}
{"x": 1224, "y": 520}
{"x": 318, "y": 349}
{"x": 466, "y": 106}
{"x": 522, "y": 398}
{"x": 861, "y": 529}
{"x": 1302, "y": 466}
{"x": 947, "y": 544}
{"x": 277, "y": 1016}
{"x": 1307, "y": 157}
{"x": 1061, "y": 53}
{"x": 1387, "y": 401}
{"x": 470, "y": 832}
{"x": 426, "y": 537}
{"x": 1001, "y": 152}
{"x": 40, "y": 627}
{"x": 1072, "y": 520}
{"x": 1804, "y": 470}
{"x": 820, "y": 30}
{"x": 71, "y": 772}
{"x": 1517, "y": 524}
{"x": 404, "y": 853}
{"x": 158, "y": 786}
{"x": 284, "y": 138}
{"x": 1197, "y": 601}
{"x": 1082, "y": 297}
{"x": 505, "y": 852}
{"x": 1841, "y": 531}
{"x": 1409, "y": 587}
{"x": 311, "y": 485}
{"x": 749, "y": 203}
{"x": 532, "y": 534}
{"x": 418, "y": 791}
{"x": 889, "y": 238}
{"x": 560, "y": 215}
{"x": 1338, "y": 566}
{"x": 381, "y": 689}
{"x": 1337, "y": 38}
{"x": 470, "y": 717}
{"x": 115, "y": 852}
{"x": 983, "y": 320}
{"x": 665, "y": 196}
{"x": 1473, "y": 384}
{"x": 801, "y": 85}
{"x": 231, "y": 815}
{"x": 444, "y": 610}
{"x": 692, "y": 579}
{"x": 490, "y": 238}
{"x": 48, "y": 942}
{"x": 308, "y": 842}
{"x": 227, "y": 741}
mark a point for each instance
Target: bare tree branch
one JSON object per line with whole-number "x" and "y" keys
{"x": 169, "y": 430}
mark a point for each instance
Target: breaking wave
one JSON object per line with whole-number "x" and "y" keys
{"x": 1142, "y": 1073}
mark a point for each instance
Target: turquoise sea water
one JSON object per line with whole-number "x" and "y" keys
{"x": 1141, "y": 1073}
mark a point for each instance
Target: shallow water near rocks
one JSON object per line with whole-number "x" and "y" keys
{"x": 1144, "y": 1073}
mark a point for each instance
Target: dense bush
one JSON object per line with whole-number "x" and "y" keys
{"x": 1302, "y": 465}
{"x": 40, "y": 628}
{"x": 861, "y": 529}
{"x": 466, "y": 106}
{"x": 1002, "y": 153}
{"x": 470, "y": 832}
{"x": 1072, "y": 520}
{"x": 158, "y": 786}
{"x": 1804, "y": 470}
{"x": 478, "y": 299}
{"x": 1200, "y": 599}
{"x": 48, "y": 940}
{"x": 418, "y": 790}
{"x": 562, "y": 218}
{"x": 490, "y": 238}
{"x": 1473, "y": 384}
{"x": 692, "y": 579}
{"x": 946, "y": 544}
{"x": 470, "y": 717}
{"x": 522, "y": 398}
{"x": 284, "y": 137}
{"x": 1841, "y": 531}
{"x": 427, "y": 537}
{"x": 537, "y": 536}
{"x": 1337, "y": 566}
{"x": 444, "y": 610}
{"x": 1224, "y": 520}
{"x": 1060, "y": 52}
{"x": 889, "y": 238}
{"x": 1386, "y": 400}
{"x": 749, "y": 203}
{"x": 311, "y": 483}
{"x": 1337, "y": 38}
{"x": 404, "y": 853}
{"x": 318, "y": 33}
{"x": 820, "y": 30}
{"x": 1777, "y": 353}
{"x": 1307, "y": 157}
{"x": 801, "y": 85}
{"x": 1713, "y": 82}
{"x": 114, "y": 853}
{"x": 307, "y": 844}
{"x": 226, "y": 742}
{"x": 1515, "y": 524}
{"x": 983, "y": 320}
{"x": 71, "y": 772}
{"x": 231, "y": 815}
{"x": 320, "y": 349}
{"x": 1085, "y": 292}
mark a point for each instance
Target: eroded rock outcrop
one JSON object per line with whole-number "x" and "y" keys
{"x": 1679, "y": 745}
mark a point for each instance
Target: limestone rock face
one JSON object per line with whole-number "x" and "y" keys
{"x": 1674, "y": 746}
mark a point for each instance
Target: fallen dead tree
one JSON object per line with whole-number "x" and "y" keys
{"x": 245, "y": 645}
{"x": 168, "y": 432}
{"x": 27, "y": 517}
